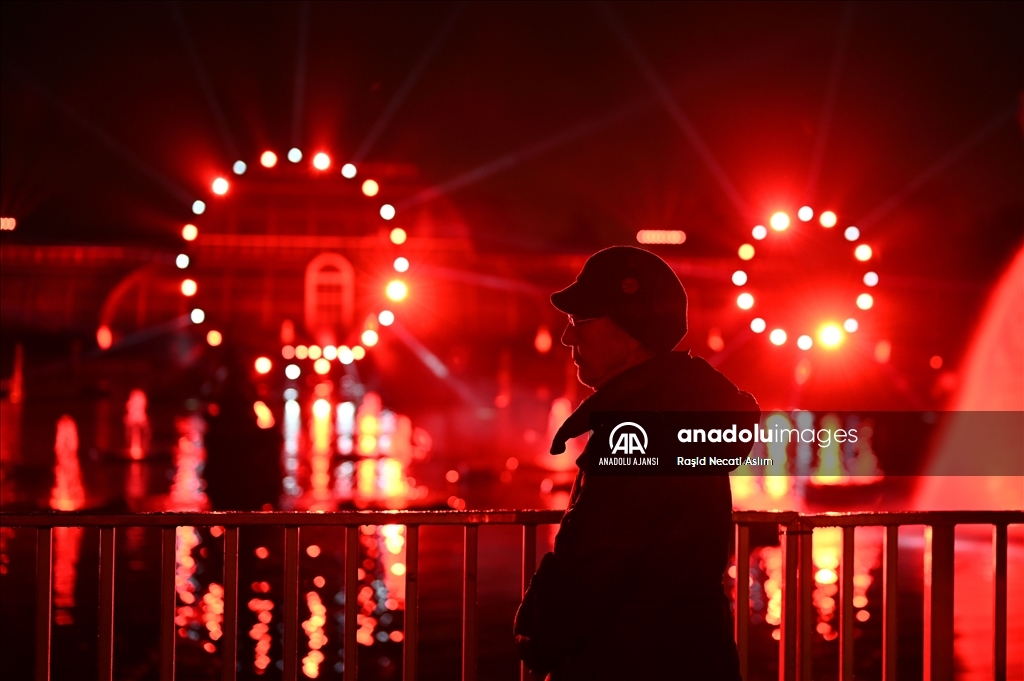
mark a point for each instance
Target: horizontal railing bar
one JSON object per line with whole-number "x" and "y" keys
{"x": 884, "y": 518}
{"x": 523, "y": 517}
{"x": 282, "y": 518}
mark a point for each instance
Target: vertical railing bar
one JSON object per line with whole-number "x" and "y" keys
{"x": 805, "y": 610}
{"x": 529, "y": 567}
{"x": 290, "y": 647}
{"x": 44, "y": 601}
{"x": 105, "y": 648}
{"x": 846, "y": 635}
{"x": 229, "y": 639}
{"x": 469, "y": 577}
{"x": 351, "y": 603}
{"x": 890, "y": 591}
{"x": 412, "y": 584}
{"x": 787, "y": 643}
{"x": 167, "y": 601}
{"x": 938, "y": 602}
{"x": 999, "y": 546}
{"x": 743, "y": 596}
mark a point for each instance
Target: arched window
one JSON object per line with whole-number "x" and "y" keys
{"x": 329, "y": 297}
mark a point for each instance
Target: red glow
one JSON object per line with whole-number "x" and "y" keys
{"x": 262, "y": 552}
{"x": 660, "y": 236}
{"x": 268, "y": 159}
{"x": 312, "y": 550}
{"x": 542, "y": 341}
{"x": 104, "y": 338}
{"x": 8, "y": 224}
{"x": 935, "y": 362}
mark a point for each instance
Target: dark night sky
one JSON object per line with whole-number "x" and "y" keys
{"x": 915, "y": 81}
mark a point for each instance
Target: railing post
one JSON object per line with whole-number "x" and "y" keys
{"x": 290, "y": 647}
{"x": 167, "y": 602}
{"x": 999, "y": 538}
{"x": 846, "y": 607}
{"x": 410, "y": 662}
{"x": 350, "y": 645}
{"x": 890, "y": 589}
{"x": 105, "y": 648}
{"x": 743, "y": 595}
{"x": 469, "y": 604}
{"x": 790, "y": 560}
{"x": 229, "y": 640}
{"x": 805, "y": 610}
{"x": 44, "y": 600}
{"x": 529, "y": 567}
{"x": 938, "y": 602}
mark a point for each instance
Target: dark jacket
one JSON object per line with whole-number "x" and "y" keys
{"x": 633, "y": 589}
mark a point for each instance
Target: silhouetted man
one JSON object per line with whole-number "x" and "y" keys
{"x": 633, "y": 588}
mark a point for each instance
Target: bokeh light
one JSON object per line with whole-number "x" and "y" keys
{"x": 358, "y": 352}
{"x": 759, "y": 232}
{"x": 292, "y": 371}
{"x": 851, "y": 233}
{"x": 746, "y": 252}
{"x": 322, "y": 366}
{"x": 294, "y": 155}
{"x": 387, "y": 211}
{"x": 214, "y": 337}
{"x": 777, "y": 336}
{"x": 398, "y": 237}
{"x": 239, "y": 167}
{"x": 862, "y": 252}
{"x": 805, "y": 213}
{"x": 104, "y": 337}
{"x": 348, "y": 171}
{"x": 369, "y": 338}
{"x": 189, "y": 232}
{"x": 739, "y": 277}
{"x": 851, "y": 325}
{"x": 804, "y": 342}
{"x": 883, "y": 351}
{"x": 321, "y": 408}
{"x": 935, "y": 362}
{"x": 865, "y": 301}
{"x": 198, "y": 207}
{"x": 330, "y": 352}
{"x": 263, "y": 365}
{"x": 189, "y": 287}
{"x": 268, "y": 159}
{"x": 288, "y": 352}
{"x": 396, "y": 290}
{"x": 779, "y": 221}
{"x": 301, "y": 352}
{"x": 401, "y": 264}
{"x": 181, "y": 261}
{"x": 870, "y": 279}
{"x": 758, "y": 325}
{"x": 830, "y": 335}
{"x": 386, "y": 318}
{"x": 745, "y": 301}
{"x": 220, "y": 186}
{"x": 370, "y": 187}
{"x": 827, "y": 219}
{"x": 345, "y": 355}
{"x": 314, "y": 352}
{"x": 321, "y": 161}
{"x": 197, "y": 316}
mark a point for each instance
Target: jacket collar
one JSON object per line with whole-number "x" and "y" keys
{"x": 612, "y": 394}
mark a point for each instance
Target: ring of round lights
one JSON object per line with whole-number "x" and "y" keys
{"x": 830, "y": 334}
{"x": 395, "y": 290}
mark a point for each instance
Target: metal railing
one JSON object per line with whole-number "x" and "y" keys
{"x": 798, "y": 581}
